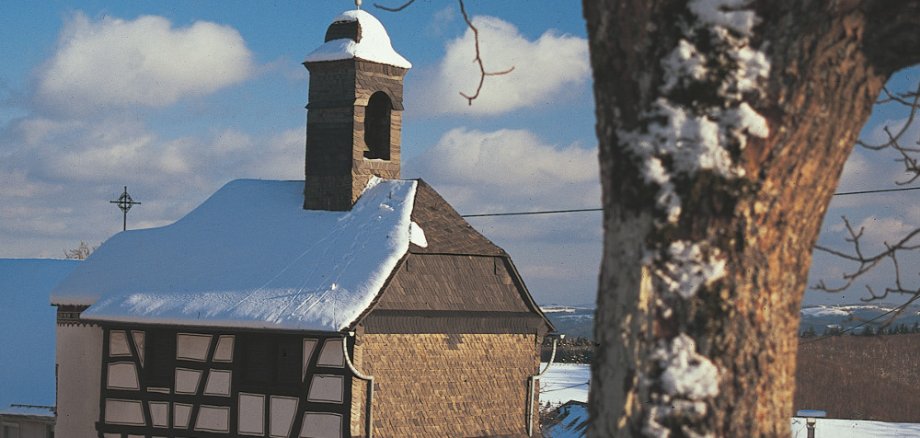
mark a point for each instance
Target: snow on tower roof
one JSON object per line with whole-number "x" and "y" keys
{"x": 373, "y": 45}
{"x": 250, "y": 256}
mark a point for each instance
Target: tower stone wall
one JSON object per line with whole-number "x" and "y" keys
{"x": 336, "y": 168}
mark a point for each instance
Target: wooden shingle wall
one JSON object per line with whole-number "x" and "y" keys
{"x": 446, "y": 385}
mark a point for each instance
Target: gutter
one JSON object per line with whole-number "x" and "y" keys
{"x": 531, "y": 381}
{"x": 369, "y": 418}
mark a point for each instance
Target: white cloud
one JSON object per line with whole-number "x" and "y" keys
{"x": 146, "y": 62}
{"x": 543, "y": 70}
{"x": 82, "y": 164}
{"x": 877, "y": 231}
{"x": 509, "y": 169}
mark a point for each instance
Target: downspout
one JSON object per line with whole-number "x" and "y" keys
{"x": 532, "y": 380}
{"x": 369, "y": 418}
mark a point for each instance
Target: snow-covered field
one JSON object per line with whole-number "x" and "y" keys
{"x": 564, "y": 382}
{"x": 828, "y": 428}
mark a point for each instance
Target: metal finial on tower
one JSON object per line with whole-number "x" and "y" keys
{"x": 358, "y": 4}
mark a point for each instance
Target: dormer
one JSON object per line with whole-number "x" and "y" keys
{"x": 354, "y": 112}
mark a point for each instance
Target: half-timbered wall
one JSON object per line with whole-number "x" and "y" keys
{"x": 183, "y": 383}
{"x": 78, "y": 352}
{"x": 429, "y": 385}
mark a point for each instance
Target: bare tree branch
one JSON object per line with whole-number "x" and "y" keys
{"x": 910, "y": 158}
{"x": 910, "y": 155}
{"x": 394, "y": 9}
{"x": 867, "y": 263}
{"x": 478, "y": 59}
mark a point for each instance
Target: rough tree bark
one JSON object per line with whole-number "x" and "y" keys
{"x": 717, "y": 168}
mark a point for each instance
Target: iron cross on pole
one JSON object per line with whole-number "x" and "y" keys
{"x": 125, "y": 203}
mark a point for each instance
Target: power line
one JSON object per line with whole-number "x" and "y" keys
{"x": 863, "y": 192}
{"x": 583, "y": 210}
{"x": 526, "y": 213}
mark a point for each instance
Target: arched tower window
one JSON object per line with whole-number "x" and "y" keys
{"x": 377, "y": 126}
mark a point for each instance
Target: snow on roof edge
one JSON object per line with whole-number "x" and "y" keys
{"x": 367, "y": 242}
{"x": 375, "y": 45}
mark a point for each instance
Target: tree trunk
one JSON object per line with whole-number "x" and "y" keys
{"x": 717, "y": 170}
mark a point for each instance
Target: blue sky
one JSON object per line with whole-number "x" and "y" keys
{"x": 176, "y": 98}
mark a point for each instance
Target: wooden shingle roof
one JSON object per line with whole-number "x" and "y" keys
{"x": 460, "y": 282}
{"x": 445, "y": 230}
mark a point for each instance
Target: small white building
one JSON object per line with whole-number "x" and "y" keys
{"x": 22, "y": 421}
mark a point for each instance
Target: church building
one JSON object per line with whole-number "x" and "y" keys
{"x": 353, "y": 303}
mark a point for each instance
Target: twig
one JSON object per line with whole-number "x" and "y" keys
{"x": 908, "y": 158}
{"x": 478, "y": 59}
{"x": 396, "y": 9}
{"x": 867, "y": 263}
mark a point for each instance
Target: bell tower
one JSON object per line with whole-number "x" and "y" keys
{"x": 354, "y": 112}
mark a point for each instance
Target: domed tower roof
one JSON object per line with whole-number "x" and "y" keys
{"x": 357, "y": 35}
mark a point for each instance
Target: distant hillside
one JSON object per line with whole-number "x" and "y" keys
{"x": 574, "y": 322}
{"x": 578, "y": 321}
{"x": 848, "y": 317}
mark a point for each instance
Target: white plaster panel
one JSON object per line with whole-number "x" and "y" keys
{"x": 124, "y": 412}
{"x": 321, "y": 425}
{"x": 213, "y": 418}
{"x": 252, "y": 414}
{"x": 159, "y": 413}
{"x": 331, "y": 356}
{"x": 118, "y": 343}
{"x": 187, "y": 380}
{"x": 157, "y": 389}
{"x": 192, "y": 347}
{"x": 281, "y": 415}
{"x": 308, "y": 346}
{"x": 109, "y": 435}
{"x": 326, "y": 388}
{"x": 135, "y": 436}
{"x": 224, "y": 350}
{"x": 218, "y": 383}
{"x": 78, "y": 354}
{"x": 123, "y": 375}
{"x": 139, "y": 344}
{"x": 181, "y": 412}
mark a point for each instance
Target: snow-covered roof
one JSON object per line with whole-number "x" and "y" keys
{"x": 374, "y": 44}
{"x": 29, "y": 411}
{"x": 250, "y": 256}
